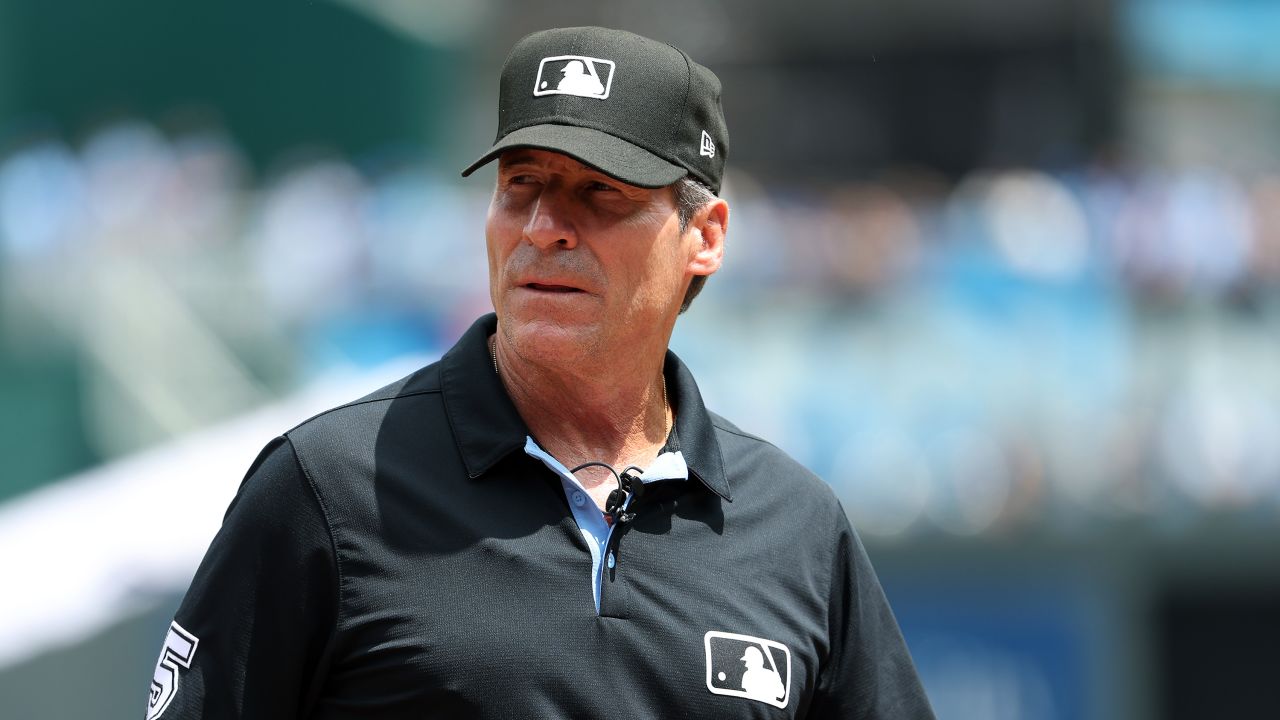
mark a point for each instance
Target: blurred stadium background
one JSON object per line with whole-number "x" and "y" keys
{"x": 1006, "y": 274}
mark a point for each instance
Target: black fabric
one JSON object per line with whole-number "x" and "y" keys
{"x": 659, "y": 102}
{"x": 402, "y": 557}
{"x": 615, "y": 156}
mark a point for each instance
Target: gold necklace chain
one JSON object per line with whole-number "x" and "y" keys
{"x": 666, "y": 404}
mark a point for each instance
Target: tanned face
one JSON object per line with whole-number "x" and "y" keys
{"x": 581, "y": 264}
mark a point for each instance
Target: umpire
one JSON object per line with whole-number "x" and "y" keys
{"x": 547, "y": 522}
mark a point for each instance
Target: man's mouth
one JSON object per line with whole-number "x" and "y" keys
{"x": 542, "y": 287}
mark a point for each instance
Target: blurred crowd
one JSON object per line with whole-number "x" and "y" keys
{"x": 1019, "y": 349}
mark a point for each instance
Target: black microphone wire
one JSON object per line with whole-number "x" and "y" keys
{"x": 629, "y": 483}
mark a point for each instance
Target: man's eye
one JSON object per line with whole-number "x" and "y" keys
{"x": 520, "y": 179}
{"x": 597, "y": 186}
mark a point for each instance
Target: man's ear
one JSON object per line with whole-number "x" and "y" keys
{"x": 709, "y": 225}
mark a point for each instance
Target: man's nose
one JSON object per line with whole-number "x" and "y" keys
{"x": 551, "y": 222}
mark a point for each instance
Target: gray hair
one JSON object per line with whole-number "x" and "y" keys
{"x": 691, "y": 196}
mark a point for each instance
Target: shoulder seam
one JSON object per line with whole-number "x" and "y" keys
{"x": 740, "y": 433}
{"x": 365, "y": 401}
{"x": 328, "y": 526}
{"x": 833, "y": 549}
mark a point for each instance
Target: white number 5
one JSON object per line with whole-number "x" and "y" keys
{"x": 179, "y": 649}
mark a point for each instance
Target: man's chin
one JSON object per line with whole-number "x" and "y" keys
{"x": 554, "y": 339}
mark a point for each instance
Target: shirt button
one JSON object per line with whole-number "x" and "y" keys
{"x": 579, "y": 499}
{"x": 611, "y": 561}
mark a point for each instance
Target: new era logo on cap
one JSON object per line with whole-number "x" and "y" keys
{"x": 748, "y": 667}
{"x": 574, "y": 75}
{"x": 708, "y": 148}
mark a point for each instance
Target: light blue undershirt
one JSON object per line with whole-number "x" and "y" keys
{"x": 591, "y": 522}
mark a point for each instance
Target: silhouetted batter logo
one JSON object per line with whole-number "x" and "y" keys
{"x": 574, "y": 75}
{"x": 748, "y": 667}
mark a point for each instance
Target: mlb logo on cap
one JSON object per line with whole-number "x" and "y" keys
{"x": 748, "y": 667}
{"x": 574, "y": 75}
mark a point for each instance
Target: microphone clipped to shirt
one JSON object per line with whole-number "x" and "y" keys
{"x": 630, "y": 489}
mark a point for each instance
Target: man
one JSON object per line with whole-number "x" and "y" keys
{"x": 576, "y": 81}
{"x": 758, "y": 681}
{"x": 547, "y": 522}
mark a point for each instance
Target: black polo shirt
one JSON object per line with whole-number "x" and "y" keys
{"x": 402, "y": 556}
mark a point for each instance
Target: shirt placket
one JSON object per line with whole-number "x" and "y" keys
{"x": 608, "y": 584}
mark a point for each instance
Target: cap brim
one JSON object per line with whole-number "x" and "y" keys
{"x": 612, "y": 156}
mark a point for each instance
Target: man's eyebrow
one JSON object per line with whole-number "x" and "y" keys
{"x": 517, "y": 159}
{"x": 523, "y": 159}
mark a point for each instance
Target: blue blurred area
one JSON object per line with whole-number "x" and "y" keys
{"x": 990, "y": 648}
{"x": 1223, "y": 41}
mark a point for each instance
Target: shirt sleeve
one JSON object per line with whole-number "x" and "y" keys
{"x": 252, "y": 635}
{"x": 868, "y": 673}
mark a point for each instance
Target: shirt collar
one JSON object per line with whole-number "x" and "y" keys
{"x": 487, "y": 427}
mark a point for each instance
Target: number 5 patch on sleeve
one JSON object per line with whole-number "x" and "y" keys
{"x": 178, "y": 651}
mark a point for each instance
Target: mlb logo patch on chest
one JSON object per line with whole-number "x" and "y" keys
{"x": 748, "y": 667}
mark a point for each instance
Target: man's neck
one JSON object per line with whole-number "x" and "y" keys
{"x": 617, "y": 415}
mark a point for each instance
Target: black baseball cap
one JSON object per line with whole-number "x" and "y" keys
{"x": 633, "y": 108}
